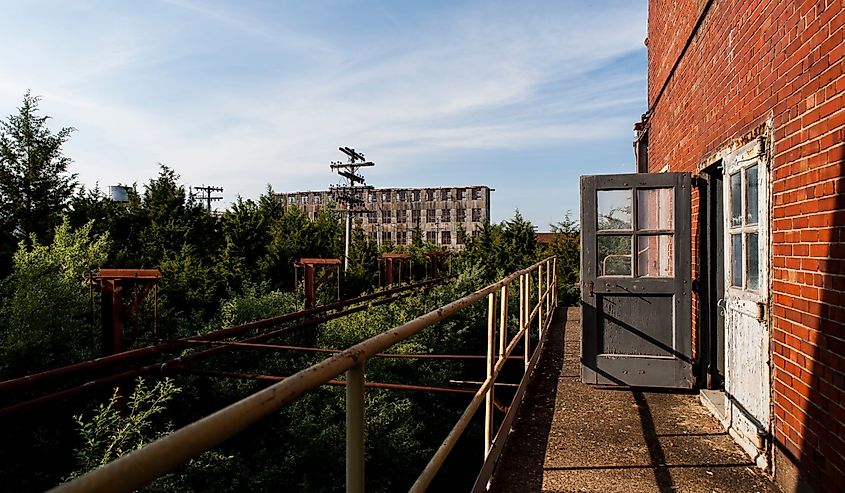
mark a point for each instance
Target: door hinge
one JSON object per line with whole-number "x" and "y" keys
{"x": 761, "y": 311}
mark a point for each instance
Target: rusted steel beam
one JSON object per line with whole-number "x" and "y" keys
{"x": 128, "y": 274}
{"x": 94, "y": 364}
{"x": 473, "y": 382}
{"x": 312, "y": 322}
{"x": 111, "y": 292}
{"x": 113, "y": 284}
{"x": 388, "y": 273}
{"x": 436, "y": 259}
{"x": 308, "y": 349}
{"x": 318, "y": 261}
{"x": 392, "y": 263}
{"x": 311, "y": 282}
{"x": 28, "y": 381}
{"x": 368, "y": 384}
{"x": 309, "y": 275}
{"x": 146, "y": 287}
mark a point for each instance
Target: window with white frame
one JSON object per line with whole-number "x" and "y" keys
{"x": 743, "y": 227}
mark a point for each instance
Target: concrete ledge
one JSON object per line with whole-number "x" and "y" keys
{"x": 714, "y": 401}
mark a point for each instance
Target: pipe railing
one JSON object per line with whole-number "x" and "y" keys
{"x": 493, "y": 444}
{"x": 142, "y": 466}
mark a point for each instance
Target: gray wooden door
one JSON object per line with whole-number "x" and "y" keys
{"x": 635, "y": 280}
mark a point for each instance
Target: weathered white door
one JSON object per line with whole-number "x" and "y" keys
{"x": 746, "y": 301}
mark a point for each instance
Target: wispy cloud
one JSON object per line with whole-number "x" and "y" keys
{"x": 245, "y": 96}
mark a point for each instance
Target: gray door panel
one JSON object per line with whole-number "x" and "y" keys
{"x": 636, "y": 288}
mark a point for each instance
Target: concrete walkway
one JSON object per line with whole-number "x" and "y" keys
{"x": 570, "y": 437}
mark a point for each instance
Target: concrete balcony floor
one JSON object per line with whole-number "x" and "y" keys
{"x": 571, "y": 437}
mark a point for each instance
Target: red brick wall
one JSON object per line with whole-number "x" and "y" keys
{"x": 752, "y": 60}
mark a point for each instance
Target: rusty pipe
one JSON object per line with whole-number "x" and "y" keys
{"x": 368, "y": 384}
{"x": 307, "y": 349}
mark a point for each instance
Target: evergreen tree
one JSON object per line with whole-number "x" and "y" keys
{"x": 565, "y": 244}
{"x": 34, "y": 184}
{"x": 519, "y": 244}
{"x": 117, "y": 219}
{"x": 328, "y": 235}
{"x": 417, "y": 236}
{"x": 290, "y": 239}
{"x": 247, "y": 229}
{"x": 363, "y": 263}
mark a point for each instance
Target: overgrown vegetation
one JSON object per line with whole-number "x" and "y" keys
{"x": 221, "y": 271}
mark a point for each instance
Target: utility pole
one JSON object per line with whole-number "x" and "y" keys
{"x": 208, "y": 198}
{"x": 348, "y": 192}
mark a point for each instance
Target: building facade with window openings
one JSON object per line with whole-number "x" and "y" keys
{"x": 392, "y": 214}
{"x": 748, "y": 97}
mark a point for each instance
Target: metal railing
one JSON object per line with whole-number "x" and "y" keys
{"x": 79, "y": 374}
{"x": 142, "y": 466}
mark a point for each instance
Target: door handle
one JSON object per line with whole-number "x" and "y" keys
{"x": 721, "y": 306}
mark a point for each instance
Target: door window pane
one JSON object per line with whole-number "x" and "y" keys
{"x": 751, "y": 195}
{"x": 736, "y": 260}
{"x": 614, "y": 209}
{"x": 655, "y": 256}
{"x": 655, "y": 209}
{"x": 753, "y": 261}
{"x": 736, "y": 199}
{"x": 614, "y": 255}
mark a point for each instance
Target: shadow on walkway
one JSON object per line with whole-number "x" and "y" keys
{"x": 573, "y": 437}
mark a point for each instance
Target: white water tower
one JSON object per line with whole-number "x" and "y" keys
{"x": 119, "y": 193}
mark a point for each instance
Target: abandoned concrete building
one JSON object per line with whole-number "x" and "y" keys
{"x": 390, "y": 215}
{"x": 735, "y": 223}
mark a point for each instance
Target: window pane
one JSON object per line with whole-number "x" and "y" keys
{"x": 655, "y": 256}
{"x": 614, "y": 209}
{"x": 753, "y": 261}
{"x": 736, "y": 260}
{"x": 751, "y": 195}
{"x": 614, "y": 255}
{"x": 655, "y": 209}
{"x": 736, "y": 199}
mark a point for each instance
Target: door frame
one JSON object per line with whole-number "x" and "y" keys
{"x": 711, "y": 284}
{"x": 713, "y": 261}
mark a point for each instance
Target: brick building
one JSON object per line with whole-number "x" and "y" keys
{"x": 392, "y": 214}
{"x": 747, "y": 95}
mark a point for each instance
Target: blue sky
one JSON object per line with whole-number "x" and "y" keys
{"x": 521, "y": 96}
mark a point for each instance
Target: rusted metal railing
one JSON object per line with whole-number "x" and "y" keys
{"x": 142, "y": 466}
{"x": 107, "y": 364}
